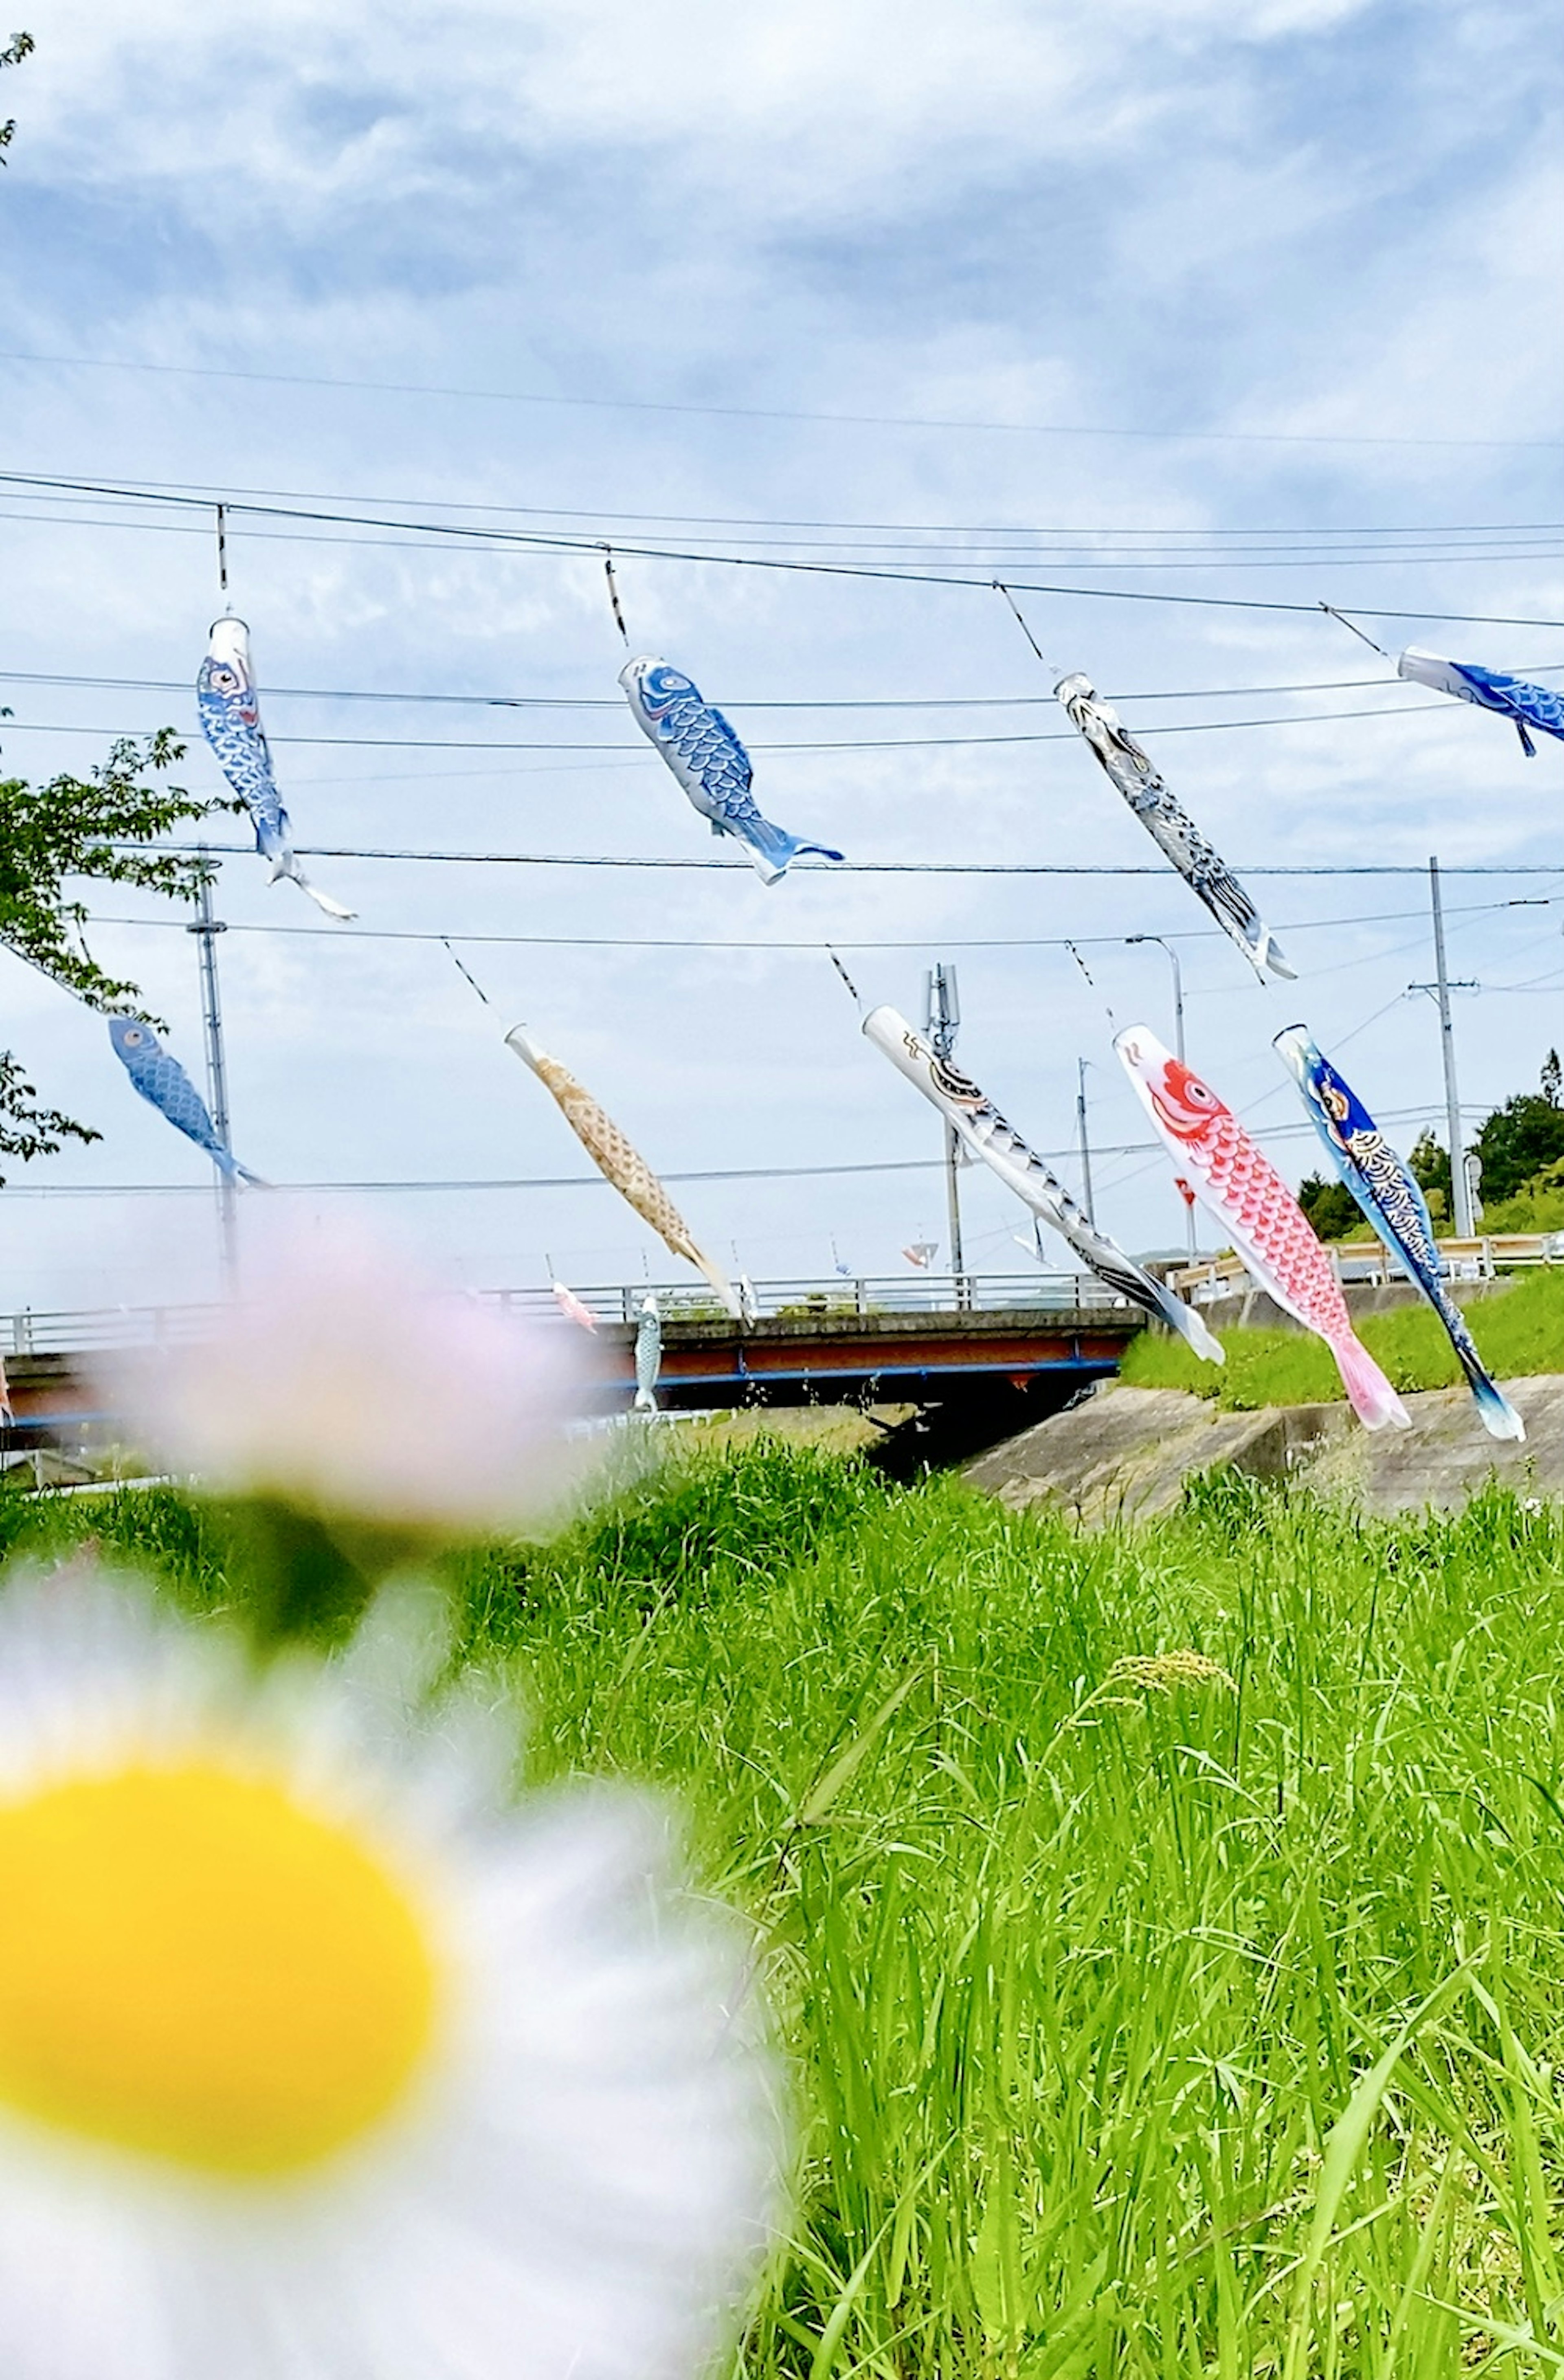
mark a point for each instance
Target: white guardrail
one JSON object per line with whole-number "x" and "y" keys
{"x": 1367, "y": 1263}
{"x": 840, "y": 1300}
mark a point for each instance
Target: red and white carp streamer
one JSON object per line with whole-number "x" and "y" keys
{"x": 1237, "y": 1184}
{"x": 983, "y": 1130}
{"x": 621, "y": 1164}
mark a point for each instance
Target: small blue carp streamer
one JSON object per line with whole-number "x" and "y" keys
{"x": 1390, "y": 1198}
{"x": 230, "y": 717}
{"x": 710, "y": 762}
{"x": 1129, "y": 770}
{"x": 649, "y": 1354}
{"x": 1516, "y": 699}
{"x": 162, "y": 1081}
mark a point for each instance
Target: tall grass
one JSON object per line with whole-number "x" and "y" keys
{"x": 1167, "y": 1929}
{"x": 1519, "y": 1329}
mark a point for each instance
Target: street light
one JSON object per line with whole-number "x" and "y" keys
{"x": 1173, "y": 958}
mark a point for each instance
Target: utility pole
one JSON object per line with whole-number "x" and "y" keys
{"x": 1179, "y": 1051}
{"x": 1081, "y": 1135}
{"x": 206, "y": 929}
{"x": 1439, "y": 990}
{"x": 944, "y": 1016}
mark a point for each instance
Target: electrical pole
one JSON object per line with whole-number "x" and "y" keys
{"x": 1179, "y": 1051}
{"x": 206, "y": 929}
{"x": 944, "y": 1016}
{"x": 1081, "y": 1135}
{"x": 1461, "y": 1185}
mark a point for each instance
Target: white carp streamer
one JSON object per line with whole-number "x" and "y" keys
{"x": 1130, "y": 770}
{"x": 985, "y": 1132}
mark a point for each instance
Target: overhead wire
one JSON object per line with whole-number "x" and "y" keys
{"x": 852, "y": 743}
{"x": 684, "y": 861}
{"x": 740, "y": 702}
{"x": 523, "y": 540}
{"x": 202, "y": 490}
{"x": 598, "y": 402}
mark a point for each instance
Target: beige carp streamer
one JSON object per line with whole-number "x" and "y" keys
{"x": 621, "y": 1164}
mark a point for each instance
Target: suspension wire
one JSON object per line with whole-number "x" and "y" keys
{"x": 461, "y": 970}
{"x": 1091, "y": 980}
{"x": 1352, "y": 627}
{"x": 536, "y": 540}
{"x": 613, "y": 596}
{"x": 852, "y": 987}
{"x": 1051, "y": 667}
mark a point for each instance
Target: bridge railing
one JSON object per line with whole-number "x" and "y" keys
{"x": 844, "y": 1299}
{"x": 1368, "y": 1263}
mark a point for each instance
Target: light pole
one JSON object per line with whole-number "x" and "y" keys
{"x": 944, "y": 1016}
{"x": 1172, "y": 957}
{"x": 206, "y": 929}
{"x": 1439, "y": 991}
{"x": 1081, "y": 1066}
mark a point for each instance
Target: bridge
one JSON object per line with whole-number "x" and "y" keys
{"x": 1013, "y": 1344}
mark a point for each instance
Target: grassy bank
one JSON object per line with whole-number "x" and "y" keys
{"x": 1519, "y": 1329}
{"x": 1099, "y": 1877}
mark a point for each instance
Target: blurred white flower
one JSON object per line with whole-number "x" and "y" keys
{"x": 357, "y": 1388}
{"x": 317, "y": 2060}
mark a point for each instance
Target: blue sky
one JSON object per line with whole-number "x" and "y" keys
{"x": 1323, "y": 236}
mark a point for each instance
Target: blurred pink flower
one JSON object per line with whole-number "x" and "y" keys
{"x": 357, "y": 1387}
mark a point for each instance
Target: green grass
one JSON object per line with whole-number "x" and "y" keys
{"x": 1154, "y": 2018}
{"x": 1519, "y": 1329}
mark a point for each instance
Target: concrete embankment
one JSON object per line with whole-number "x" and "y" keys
{"x": 1126, "y": 1452}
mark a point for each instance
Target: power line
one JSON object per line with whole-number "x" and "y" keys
{"x": 446, "y": 537}
{"x": 813, "y": 946}
{"x": 536, "y": 540}
{"x": 1312, "y": 533}
{"x": 764, "y": 412}
{"x": 597, "y": 1180}
{"x": 736, "y": 702}
{"x": 850, "y": 743}
{"x": 848, "y": 867}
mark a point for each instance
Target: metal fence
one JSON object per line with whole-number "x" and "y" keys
{"x": 843, "y": 1300}
{"x": 1368, "y": 1264}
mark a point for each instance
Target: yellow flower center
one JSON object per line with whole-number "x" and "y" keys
{"x": 193, "y": 1966}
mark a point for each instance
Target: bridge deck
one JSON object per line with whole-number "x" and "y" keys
{"x": 879, "y": 1358}
{"x": 846, "y": 1341}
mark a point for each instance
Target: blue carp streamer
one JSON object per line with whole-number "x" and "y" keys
{"x": 1390, "y": 1198}
{"x": 163, "y": 1083}
{"x": 710, "y": 762}
{"x": 1525, "y": 705}
{"x": 230, "y": 717}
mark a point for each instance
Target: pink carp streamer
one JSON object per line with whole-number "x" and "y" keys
{"x": 1237, "y": 1183}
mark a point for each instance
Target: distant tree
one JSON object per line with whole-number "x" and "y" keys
{"x": 1519, "y": 1140}
{"x": 1330, "y": 1207}
{"x": 1552, "y": 1080}
{"x": 20, "y": 46}
{"x": 103, "y": 830}
{"x": 1430, "y": 1168}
